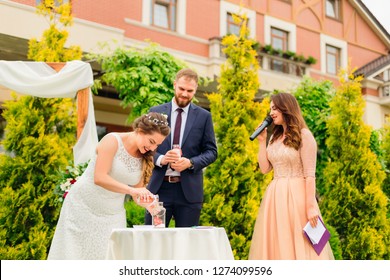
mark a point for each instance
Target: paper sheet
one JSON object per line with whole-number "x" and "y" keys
{"x": 316, "y": 233}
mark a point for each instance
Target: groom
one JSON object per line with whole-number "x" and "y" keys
{"x": 178, "y": 178}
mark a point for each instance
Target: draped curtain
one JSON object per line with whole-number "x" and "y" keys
{"x": 40, "y": 80}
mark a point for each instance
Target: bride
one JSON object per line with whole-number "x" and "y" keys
{"x": 94, "y": 205}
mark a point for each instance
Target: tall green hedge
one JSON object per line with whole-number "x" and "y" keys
{"x": 233, "y": 183}
{"x": 354, "y": 203}
{"x": 385, "y": 148}
{"x": 313, "y": 98}
{"x": 39, "y": 136}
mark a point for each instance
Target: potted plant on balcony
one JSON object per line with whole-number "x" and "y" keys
{"x": 311, "y": 60}
{"x": 268, "y": 49}
{"x": 278, "y": 52}
{"x": 300, "y": 58}
{"x": 289, "y": 55}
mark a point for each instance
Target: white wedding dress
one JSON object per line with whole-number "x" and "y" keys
{"x": 90, "y": 212}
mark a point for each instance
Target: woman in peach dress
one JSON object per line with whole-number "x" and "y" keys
{"x": 289, "y": 201}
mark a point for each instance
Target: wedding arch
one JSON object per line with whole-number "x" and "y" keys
{"x": 58, "y": 80}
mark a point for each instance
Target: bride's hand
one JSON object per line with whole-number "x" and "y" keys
{"x": 142, "y": 193}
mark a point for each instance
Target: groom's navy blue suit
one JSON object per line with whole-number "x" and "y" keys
{"x": 199, "y": 145}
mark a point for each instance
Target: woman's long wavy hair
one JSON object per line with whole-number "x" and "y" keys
{"x": 149, "y": 124}
{"x": 287, "y": 104}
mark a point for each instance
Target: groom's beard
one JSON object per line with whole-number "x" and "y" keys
{"x": 182, "y": 101}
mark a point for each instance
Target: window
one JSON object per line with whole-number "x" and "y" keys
{"x": 334, "y": 54}
{"x": 37, "y": 2}
{"x": 232, "y": 27}
{"x": 332, "y": 59}
{"x": 279, "y": 41}
{"x": 164, "y": 14}
{"x": 226, "y": 23}
{"x": 276, "y": 30}
{"x": 332, "y": 9}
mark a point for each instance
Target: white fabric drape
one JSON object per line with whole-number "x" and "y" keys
{"x": 40, "y": 80}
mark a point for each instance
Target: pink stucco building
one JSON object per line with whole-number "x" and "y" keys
{"x": 336, "y": 33}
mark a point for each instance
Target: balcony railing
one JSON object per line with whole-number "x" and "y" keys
{"x": 282, "y": 65}
{"x": 275, "y": 62}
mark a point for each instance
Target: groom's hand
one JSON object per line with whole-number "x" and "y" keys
{"x": 170, "y": 157}
{"x": 181, "y": 165}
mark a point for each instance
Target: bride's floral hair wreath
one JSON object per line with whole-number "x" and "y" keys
{"x": 158, "y": 121}
{"x": 152, "y": 122}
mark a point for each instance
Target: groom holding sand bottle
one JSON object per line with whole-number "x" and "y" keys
{"x": 178, "y": 174}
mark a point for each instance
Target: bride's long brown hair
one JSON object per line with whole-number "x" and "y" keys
{"x": 288, "y": 105}
{"x": 149, "y": 124}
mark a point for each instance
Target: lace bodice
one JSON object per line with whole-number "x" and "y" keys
{"x": 125, "y": 168}
{"x": 288, "y": 162}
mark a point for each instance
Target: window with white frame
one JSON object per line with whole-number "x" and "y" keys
{"x": 167, "y": 14}
{"x": 333, "y": 54}
{"x": 332, "y": 59}
{"x": 56, "y": 3}
{"x": 227, "y": 10}
{"x": 279, "y": 32}
{"x": 232, "y": 26}
{"x": 164, "y": 14}
{"x": 333, "y": 9}
{"x": 281, "y": 35}
{"x": 279, "y": 41}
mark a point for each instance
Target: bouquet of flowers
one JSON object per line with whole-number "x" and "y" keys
{"x": 67, "y": 179}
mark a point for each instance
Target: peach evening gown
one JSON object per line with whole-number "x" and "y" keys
{"x": 278, "y": 232}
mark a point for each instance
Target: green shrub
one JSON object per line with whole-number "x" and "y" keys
{"x": 354, "y": 203}
{"x": 233, "y": 183}
{"x": 134, "y": 214}
{"x": 40, "y": 134}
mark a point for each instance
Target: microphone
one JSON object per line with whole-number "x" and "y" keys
{"x": 267, "y": 121}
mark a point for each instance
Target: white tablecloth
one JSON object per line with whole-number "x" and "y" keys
{"x": 202, "y": 243}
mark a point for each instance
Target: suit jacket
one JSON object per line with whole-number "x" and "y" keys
{"x": 198, "y": 144}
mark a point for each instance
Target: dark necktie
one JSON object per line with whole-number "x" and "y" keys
{"x": 176, "y": 135}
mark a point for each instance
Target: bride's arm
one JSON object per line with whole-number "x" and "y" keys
{"x": 106, "y": 150}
